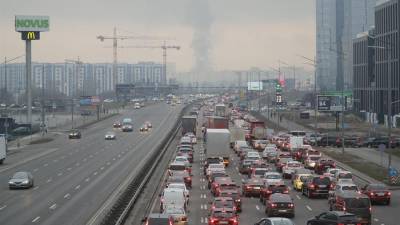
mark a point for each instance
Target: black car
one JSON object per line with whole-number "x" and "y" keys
{"x": 334, "y": 218}
{"x": 327, "y": 141}
{"x": 355, "y": 203}
{"x": 317, "y": 186}
{"x": 75, "y": 134}
{"x": 279, "y": 205}
{"x": 384, "y": 140}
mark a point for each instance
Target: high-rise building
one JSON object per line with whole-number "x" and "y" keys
{"x": 372, "y": 75}
{"x": 338, "y": 22}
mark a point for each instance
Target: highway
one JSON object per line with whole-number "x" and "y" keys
{"x": 74, "y": 178}
{"x": 253, "y": 209}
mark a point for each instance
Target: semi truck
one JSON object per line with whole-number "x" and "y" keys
{"x": 189, "y": 124}
{"x": 217, "y": 144}
{"x": 257, "y": 131}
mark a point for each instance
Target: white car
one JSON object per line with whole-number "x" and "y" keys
{"x": 266, "y": 151}
{"x": 182, "y": 159}
{"x": 180, "y": 186}
{"x": 289, "y": 168}
{"x": 215, "y": 167}
{"x": 253, "y": 155}
{"x": 273, "y": 178}
{"x": 343, "y": 174}
{"x": 173, "y": 197}
{"x": 192, "y": 137}
{"x": 110, "y": 136}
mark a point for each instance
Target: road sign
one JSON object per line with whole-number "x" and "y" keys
{"x": 330, "y": 103}
{"x": 32, "y": 23}
{"x": 30, "y": 35}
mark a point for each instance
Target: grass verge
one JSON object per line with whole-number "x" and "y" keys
{"x": 369, "y": 168}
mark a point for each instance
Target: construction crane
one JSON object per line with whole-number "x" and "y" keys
{"x": 77, "y": 62}
{"x": 115, "y": 39}
{"x": 164, "y": 48}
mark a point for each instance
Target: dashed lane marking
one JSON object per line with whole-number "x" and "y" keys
{"x": 35, "y": 170}
{"x": 3, "y": 207}
{"x": 36, "y": 219}
{"x": 77, "y": 187}
{"x": 36, "y": 187}
{"x": 69, "y": 168}
{"x": 67, "y": 195}
{"x": 87, "y": 179}
{"x": 59, "y": 174}
{"x": 53, "y": 207}
{"x": 102, "y": 168}
{"x": 48, "y": 181}
{"x": 298, "y": 197}
{"x": 95, "y": 173}
{"x": 376, "y": 220}
{"x": 45, "y": 165}
{"x": 309, "y": 208}
{"x": 258, "y": 207}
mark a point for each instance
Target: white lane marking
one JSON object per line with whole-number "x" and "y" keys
{"x": 59, "y": 174}
{"x": 258, "y": 207}
{"x": 77, "y": 187}
{"x": 3, "y": 207}
{"x": 53, "y": 207}
{"x": 45, "y": 165}
{"x": 237, "y": 168}
{"x": 67, "y": 195}
{"x": 36, "y": 187}
{"x": 298, "y": 197}
{"x": 95, "y": 173}
{"x": 376, "y": 220}
{"x": 36, "y": 219}
{"x": 85, "y": 159}
{"x": 201, "y": 206}
{"x": 108, "y": 163}
{"x": 62, "y": 157}
{"x": 202, "y": 220}
{"x": 113, "y": 159}
{"x": 204, "y": 187}
{"x": 119, "y": 155}
{"x": 102, "y": 168}
{"x": 205, "y": 206}
{"x": 69, "y": 168}
{"x": 87, "y": 179}
{"x": 77, "y": 164}
{"x": 55, "y": 160}
{"x": 309, "y": 208}
{"x": 48, "y": 181}
{"x": 35, "y": 170}
{"x": 70, "y": 153}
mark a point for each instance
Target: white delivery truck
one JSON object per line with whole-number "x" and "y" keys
{"x": 217, "y": 144}
{"x": 296, "y": 143}
{"x": 3, "y": 148}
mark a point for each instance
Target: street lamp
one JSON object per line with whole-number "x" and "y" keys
{"x": 389, "y": 97}
{"x": 294, "y": 72}
{"x": 313, "y": 62}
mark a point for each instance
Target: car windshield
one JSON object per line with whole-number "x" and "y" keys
{"x": 345, "y": 176}
{"x": 357, "y": 203}
{"x": 216, "y": 166}
{"x": 322, "y": 181}
{"x": 20, "y": 175}
{"x": 273, "y": 176}
{"x": 350, "y": 188}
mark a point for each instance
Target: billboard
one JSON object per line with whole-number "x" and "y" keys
{"x": 30, "y": 35}
{"x": 32, "y": 23}
{"x": 89, "y": 100}
{"x": 255, "y": 86}
{"x": 330, "y": 103}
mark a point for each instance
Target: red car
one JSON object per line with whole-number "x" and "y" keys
{"x": 269, "y": 189}
{"x": 223, "y": 216}
{"x": 323, "y": 164}
{"x": 377, "y": 193}
{"x": 228, "y": 186}
{"x": 218, "y": 181}
{"x": 252, "y": 187}
{"x": 235, "y": 195}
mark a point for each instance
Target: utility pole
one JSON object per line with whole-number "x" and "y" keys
{"x": 28, "y": 82}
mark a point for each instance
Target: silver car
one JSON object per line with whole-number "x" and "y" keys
{"x": 110, "y": 136}
{"x": 21, "y": 180}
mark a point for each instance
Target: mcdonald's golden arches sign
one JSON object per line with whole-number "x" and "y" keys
{"x": 30, "y": 35}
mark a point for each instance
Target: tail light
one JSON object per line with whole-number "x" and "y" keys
{"x": 341, "y": 224}
{"x": 388, "y": 193}
{"x": 147, "y": 222}
{"x": 286, "y": 191}
{"x": 311, "y": 186}
{"x": 291, "y": 205}
{"x": 371, "y": 194}
{"x": 184, "y": 218}
{"x": 370, "y": 209}
{"x": 234, "y": 220}
{"x": 213, "y": 220}
{"x": 273, "y": 205}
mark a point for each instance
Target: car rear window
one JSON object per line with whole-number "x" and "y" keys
{"x": 345, "y": 176}
{"x": 321, "y": 181}
{"x": 177, "y": 167}
{"x": 158, "y": 221}
{"x": 225, "y": 203}
{"x": 273, "y": 176}
{"x": 281, "y": 198}
{"x": 260, "y": 172}
{"x": 223, "y": 214}
{"x": 357, "y": 203}
{"x": 347, "y": 218}
{"x": 349, "y": 188}
{"x": 378, "y": 187}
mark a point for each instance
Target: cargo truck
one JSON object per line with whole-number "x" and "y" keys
{"x": 217, "y": 122}
{"x": 217, "y": 144}
{"x": 295, "y": 143}
{"x": 189, "y": 124}
{"x": 220, "y": 110}
{"x": 257, "y": 131}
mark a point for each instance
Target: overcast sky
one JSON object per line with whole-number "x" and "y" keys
{"x": 241, "y": 33}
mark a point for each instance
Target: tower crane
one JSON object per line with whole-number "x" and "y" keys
{"x": 115, "y": 39}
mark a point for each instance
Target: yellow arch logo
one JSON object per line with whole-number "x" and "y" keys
{"x": 31, "y": 36}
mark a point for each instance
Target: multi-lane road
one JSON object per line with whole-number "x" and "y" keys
{"x": 75, "y": 178}
{"x": 254, "y": 210}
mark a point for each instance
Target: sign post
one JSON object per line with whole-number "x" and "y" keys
{"x": 30, "y": 28}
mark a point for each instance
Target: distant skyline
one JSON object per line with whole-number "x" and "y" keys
{"x": 241, "y": 35}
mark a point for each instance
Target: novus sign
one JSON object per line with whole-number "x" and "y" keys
{"x": 32, "y": 23}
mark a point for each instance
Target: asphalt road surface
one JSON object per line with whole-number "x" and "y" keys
{"x": 253, "y": 209}
{"x": 73, "y": 178}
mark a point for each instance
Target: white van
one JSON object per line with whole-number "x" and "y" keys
{"x": 137, "y": 105}
{"x": 173, "y": 197}
{"x": 3, "y": 148}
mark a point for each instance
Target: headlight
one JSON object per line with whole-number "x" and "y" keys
{"x": 25, "y": 182}
{"x": 10, "y": 182}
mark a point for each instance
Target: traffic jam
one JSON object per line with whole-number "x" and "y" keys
{"x": 229, "y": 169}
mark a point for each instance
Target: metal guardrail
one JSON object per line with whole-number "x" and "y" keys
{"x": 119, "y": 212}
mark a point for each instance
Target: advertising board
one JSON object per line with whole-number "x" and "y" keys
{"x": 32, "y": 23}
{"x": 254, "y": 86}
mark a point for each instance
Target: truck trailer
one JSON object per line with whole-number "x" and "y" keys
{"x": 217, "y": 144}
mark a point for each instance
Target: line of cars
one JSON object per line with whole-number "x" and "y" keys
{"x": 175, "y": 196}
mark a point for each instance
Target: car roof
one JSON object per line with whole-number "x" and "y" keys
{"x": 353, "y": 194}
{"x": 159, "y": 215}
{"x": 342, "y": 213}
{"x": 223, "y": 199}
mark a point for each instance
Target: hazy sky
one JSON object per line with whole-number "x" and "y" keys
{"x": 240, "y": 33}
